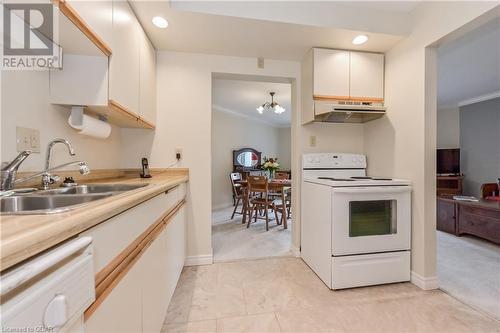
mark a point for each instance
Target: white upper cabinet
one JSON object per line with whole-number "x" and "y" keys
{"x": 147, "y": 81}
{"x": 124, "y": 61}
{"x": 367, "y": 75}
{"x": 331, "y": 73}
{"x": 98, "y": 15}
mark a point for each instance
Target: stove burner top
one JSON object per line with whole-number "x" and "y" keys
{"x": 337, "y": 179}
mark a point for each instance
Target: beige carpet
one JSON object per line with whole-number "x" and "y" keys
{"x": 231, "y": 240}
{"x": 469, "y": 269}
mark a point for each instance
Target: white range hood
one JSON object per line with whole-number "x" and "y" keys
{"x": 347, "y": 111}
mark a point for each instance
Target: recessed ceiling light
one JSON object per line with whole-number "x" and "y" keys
{"x": 160, "y": 22}
{"x": 360, "y": 39}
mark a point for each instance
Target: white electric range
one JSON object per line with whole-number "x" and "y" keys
{"x": 355, "y": 229}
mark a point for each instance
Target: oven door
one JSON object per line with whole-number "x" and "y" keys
{"x": 370, "y": 219}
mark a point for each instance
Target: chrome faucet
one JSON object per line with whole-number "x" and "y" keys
{"x": 9, "y": 171}
{"x": 47, "y": 178}
{"x": 51, "y": 144}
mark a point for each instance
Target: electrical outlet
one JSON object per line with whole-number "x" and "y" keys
{"x": 27, "y": 139}
{"x": 178, "y": 153}
{"x": 312, "y": 141}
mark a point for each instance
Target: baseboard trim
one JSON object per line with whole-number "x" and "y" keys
{"x": 204, "y": 259}
{"x": 425, "y": 283}
{"x": 295, "y": 251}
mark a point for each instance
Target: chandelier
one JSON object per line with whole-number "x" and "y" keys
{"x": 271, "y": 106}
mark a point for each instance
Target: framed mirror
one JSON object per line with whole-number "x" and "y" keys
{"x": 246, "y": 158}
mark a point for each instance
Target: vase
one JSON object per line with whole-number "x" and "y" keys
{"x": 271, "y": 174}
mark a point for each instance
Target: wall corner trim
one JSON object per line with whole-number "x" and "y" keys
{"x": 204, "y": 259}
{"x": 295, "y": 251}
{"x": 425, "y": 283}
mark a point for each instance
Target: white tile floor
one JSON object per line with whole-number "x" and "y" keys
{"x": 469, "y": 269}
{"x": 231, "y": 240}
{"x": 284, "y": 295}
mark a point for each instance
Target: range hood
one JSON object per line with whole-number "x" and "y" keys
{"x": 347, "y": 111}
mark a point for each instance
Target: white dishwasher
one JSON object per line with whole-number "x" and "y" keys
{"x": 49, "y": 292}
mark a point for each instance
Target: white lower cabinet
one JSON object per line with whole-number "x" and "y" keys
{"x": 154, "y": 288}
{"x": 176, "y": 250}
{"x": 139, "y": 302}
{"x": 121, "y": 311}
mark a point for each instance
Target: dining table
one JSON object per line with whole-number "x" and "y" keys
{"x": 275, "y": 186}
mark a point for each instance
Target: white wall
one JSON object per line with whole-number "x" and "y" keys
{"x": 25, "y": 103}
{"x": 184, "y": 87}
{"x": 285, "y": 148}
{"x": 231, "y": 132}
{"x": 479, "y": 144}
{"x": 184, "y": 120}
{"x": 448, "y": 128}
{"x": 403, "y": 143}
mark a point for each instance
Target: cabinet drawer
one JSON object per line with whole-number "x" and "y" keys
{"x": 114, "y": 235}
{"x": 484, "y": 226}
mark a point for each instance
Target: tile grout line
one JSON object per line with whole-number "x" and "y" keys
{"x": 278, "y": 321}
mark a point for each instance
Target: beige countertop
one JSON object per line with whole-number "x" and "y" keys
{"x": 22, "y": 236}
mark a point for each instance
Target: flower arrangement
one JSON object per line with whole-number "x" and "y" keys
{"x": 270, "y": 165}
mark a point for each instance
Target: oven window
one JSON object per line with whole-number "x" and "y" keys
{"x": 369, "y": 218}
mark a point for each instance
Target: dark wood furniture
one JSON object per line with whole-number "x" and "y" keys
{"x": 489, "y": 190}
{"x": 481, "y": 218}
{"x": 258, "y": 189}
{"x": 446, "y": 215}
{"x": 448, "y": 186}
{"x": 246, "y": 161}
{"x": 234, "y": 177}
{"x": 281, "y": 186}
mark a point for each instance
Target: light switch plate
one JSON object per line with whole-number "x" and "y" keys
{"x": 27, "y": 139}
{"x": 312, "y": 141}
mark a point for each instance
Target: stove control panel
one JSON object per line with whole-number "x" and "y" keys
{"x": 333, "y": 161}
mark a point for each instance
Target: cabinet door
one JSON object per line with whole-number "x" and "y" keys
{"x": 98, "y": 15}
{"x": 367, "y": 75}
{"x": 124, "y": 61}
{"x": 154, "y": 293}
{"x": 121, "y": 311}
{"x": 163, "y": 262}
{"x": 176, "y": 250}
{"x": 147, "y": 82}
{"x": 331, "y": 73}
{"x": 446, "y": 216}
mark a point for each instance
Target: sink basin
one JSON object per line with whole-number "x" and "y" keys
{"x": 91, "y": 189}
{"x": 45, "y": 204}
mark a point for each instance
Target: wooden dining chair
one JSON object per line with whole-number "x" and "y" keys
{"x": 283, "y": 206}
{"x": 237, "y": 192}
{"x": 258, "y": 188}
{"x": 281, "y": 175}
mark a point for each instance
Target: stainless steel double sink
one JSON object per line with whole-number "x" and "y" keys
{"x": 60, "y": 199}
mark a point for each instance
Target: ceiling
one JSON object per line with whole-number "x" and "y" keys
{"x": 469, "y": 67}
{"x": 391, "y": 17}
{"x": 235, "y": 36}
{"x": 241, "y": 98}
